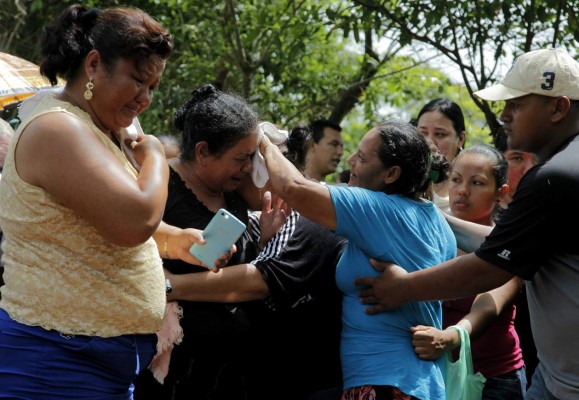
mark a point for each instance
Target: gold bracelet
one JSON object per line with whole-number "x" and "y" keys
{"x": 166, "y": 247}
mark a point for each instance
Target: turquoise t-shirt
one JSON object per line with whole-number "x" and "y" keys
{"x": 377, "y": 349}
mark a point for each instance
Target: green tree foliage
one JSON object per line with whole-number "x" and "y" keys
{"x": 477, "y": 36}
{"x": 276, "y": 54}
{"x": 290, "y": 58}
{"x": 354, "y": 61}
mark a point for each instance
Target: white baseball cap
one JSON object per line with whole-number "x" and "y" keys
{"x": 547, "y": 72}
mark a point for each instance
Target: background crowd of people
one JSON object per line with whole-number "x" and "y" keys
{"x": 331, "y": 292}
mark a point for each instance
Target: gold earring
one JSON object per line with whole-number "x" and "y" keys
{"x": 89, "y": 87}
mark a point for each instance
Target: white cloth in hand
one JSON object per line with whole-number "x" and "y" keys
{"x": 275, "y": 135}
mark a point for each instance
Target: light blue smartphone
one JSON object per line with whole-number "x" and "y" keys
{"x": 220, "y": 234}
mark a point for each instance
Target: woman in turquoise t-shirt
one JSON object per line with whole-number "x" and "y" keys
{"x": 382, "y": 214}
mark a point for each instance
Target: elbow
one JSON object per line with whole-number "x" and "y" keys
{"x": 132, "y": 240}
{"x": 260, "y": 289}
{"x": 131, "y": 235}
{"x": 257, "y": 292}
{"x": 491, "y": 311}
{"x": 139, "y": 225}
{"x": 254, "y": 287}
{"x": 130, "y": 223}
{"x": 262, "y": 292}
{"x": 485, "y": 305}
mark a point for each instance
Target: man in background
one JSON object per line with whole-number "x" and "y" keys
{"x": 519, "y": 163}
{"x": 325, "y": 151}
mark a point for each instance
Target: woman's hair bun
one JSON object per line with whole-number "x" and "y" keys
{"x": 197, "y": 95}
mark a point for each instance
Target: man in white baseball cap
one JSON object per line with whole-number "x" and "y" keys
{"x": 531, "y": 240}
{"x": 549, "y": 72}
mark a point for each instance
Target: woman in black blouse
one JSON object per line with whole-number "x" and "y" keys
{"x": 219, "y": 137}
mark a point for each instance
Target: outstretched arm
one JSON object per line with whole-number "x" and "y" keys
{"x": 233, "y": 284}
{"x": 462, "y": 276}
{"x": 311, "y": 199}
{"x": 430, "y": 343}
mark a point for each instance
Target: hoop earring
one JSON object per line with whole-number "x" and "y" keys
{"x": 89, "y": 87}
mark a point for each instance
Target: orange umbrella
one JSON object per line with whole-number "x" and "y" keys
{"x": 19, "y": 79}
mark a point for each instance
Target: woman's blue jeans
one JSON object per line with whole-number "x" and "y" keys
{"x": 510, "y": 386}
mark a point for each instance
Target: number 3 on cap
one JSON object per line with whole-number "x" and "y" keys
{"x": 549, "y": 81}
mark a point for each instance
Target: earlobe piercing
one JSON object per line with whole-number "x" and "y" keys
{"x": 89, "y": 87}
